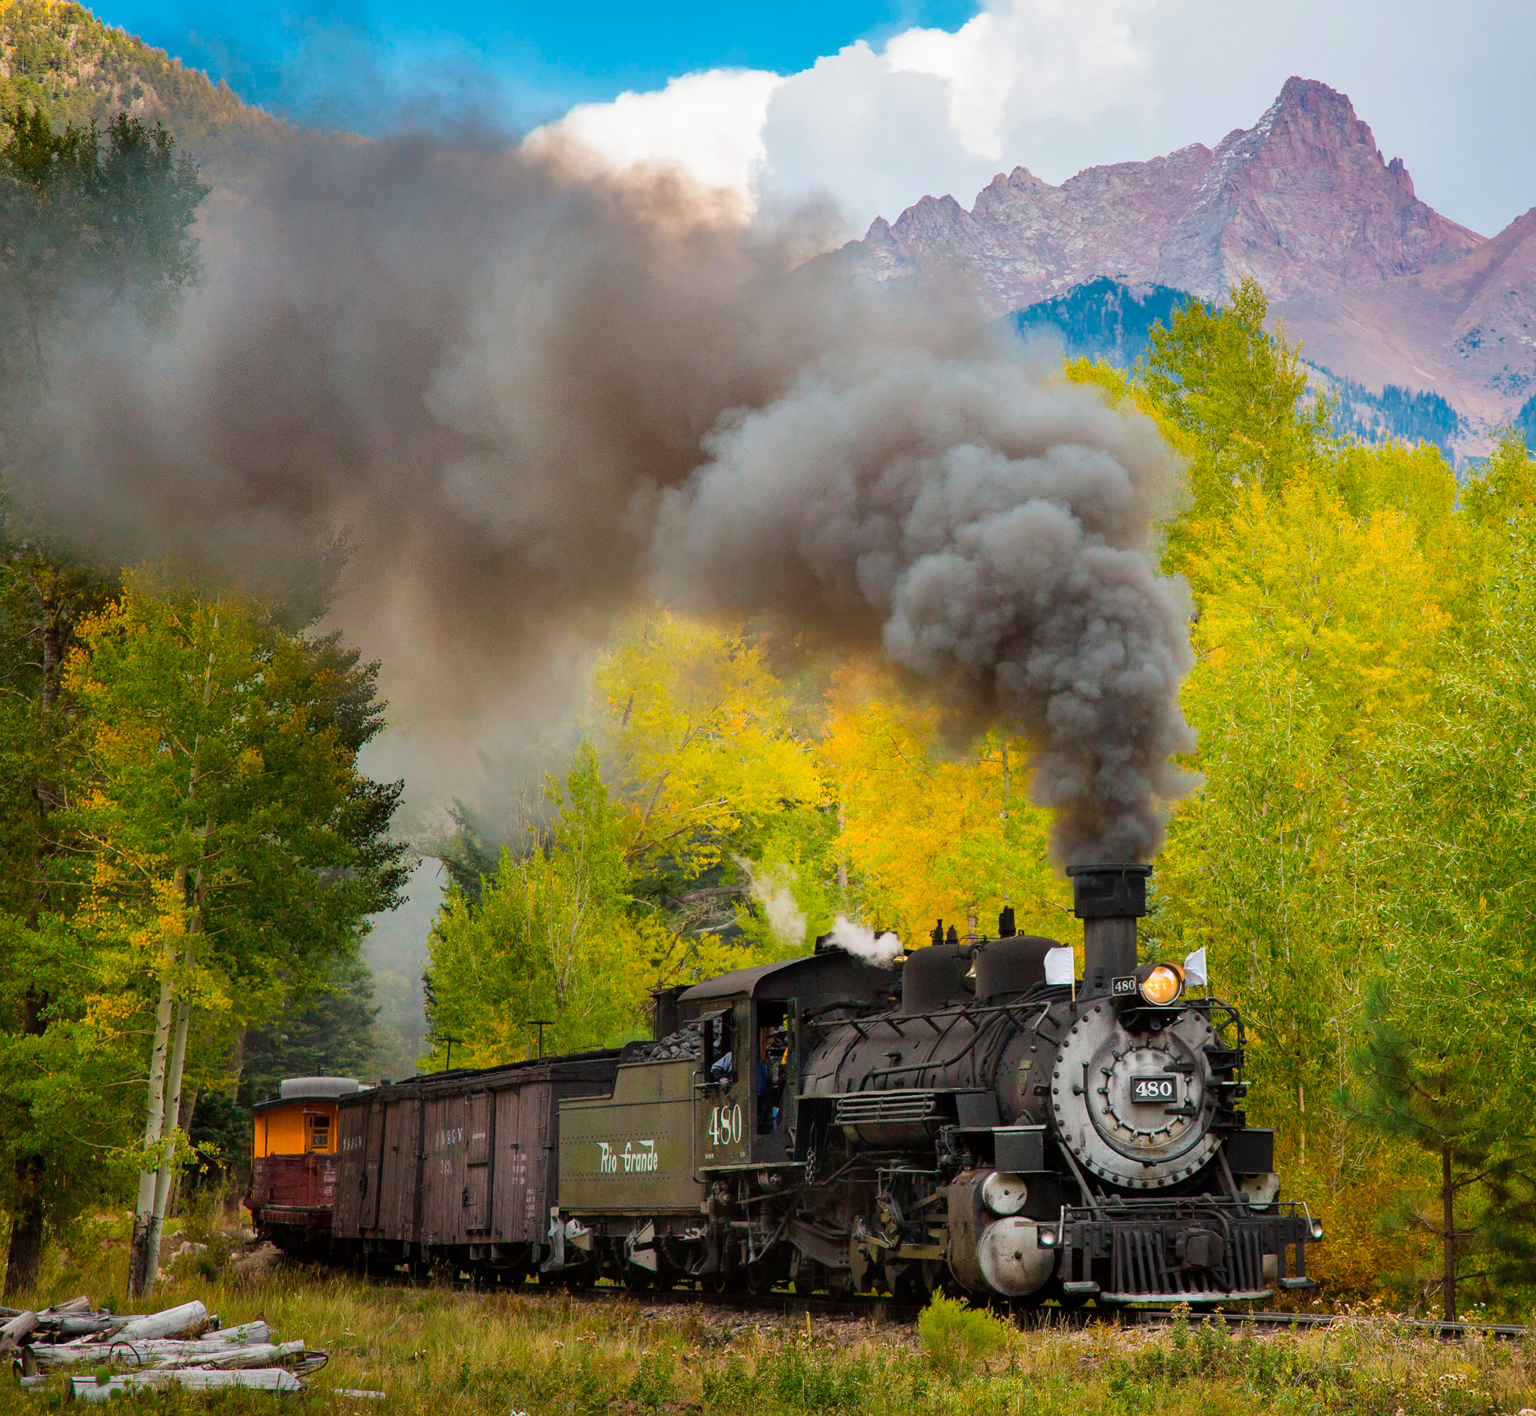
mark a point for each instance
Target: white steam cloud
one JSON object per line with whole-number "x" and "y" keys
{"x": 773, "y": 888}
{"x": 882, "y": 950}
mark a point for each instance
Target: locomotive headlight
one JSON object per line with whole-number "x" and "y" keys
{"x": 1163, "y": 984}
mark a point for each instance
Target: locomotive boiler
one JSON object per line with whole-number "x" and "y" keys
{"x": 961, "y": 1121}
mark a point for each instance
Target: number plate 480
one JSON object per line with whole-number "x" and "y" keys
{"x": 1154, "y": 1089}
{"x": 725, "y": 1125}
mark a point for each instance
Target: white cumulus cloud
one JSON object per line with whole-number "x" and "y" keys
{"x": 709, "y": 124}
{"x": 1025, "y": 61}
{"x": 931, "y": 111}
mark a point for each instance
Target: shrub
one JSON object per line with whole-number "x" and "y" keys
{"x": 956, "y": 1336}
{"x": 728, "y": 1386}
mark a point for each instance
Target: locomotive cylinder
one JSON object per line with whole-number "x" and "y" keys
{"x": 1109, "y": 899}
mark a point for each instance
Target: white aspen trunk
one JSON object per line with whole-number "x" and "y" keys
{"x": 155, "y": 1186}
{"x": 153, "y": 1125}
{"x": 167, "y": 1167}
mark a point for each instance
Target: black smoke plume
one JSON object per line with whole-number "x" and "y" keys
{"x": 530, "y": 399}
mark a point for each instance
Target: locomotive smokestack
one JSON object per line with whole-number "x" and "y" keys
{"x": 1109, "y": 899}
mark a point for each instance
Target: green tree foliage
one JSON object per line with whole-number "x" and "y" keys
{"x": 74, "y": 217}
{"x": 1504, "y": 486}
{"x": 1237, "y": 395}
{"x": 698, "y": 733}
{"x": 86, "y": 224}
{"x": 323, "y": 1031}
{"x": 1448, "y": 831}
{"x": 220, "y": 1135}
{"x": 550, "y": 937}
{"x": 199, "y": 837}
{"x": 163, "y": 851}
{"x": 224, "y": 756}
{"x": 1318, "y": 629}
{"x": 1426, "y": 1075}
{"x": 1358, "y": 695}
{"x": 230, "y": 838}
{"x": 927, "y": 830}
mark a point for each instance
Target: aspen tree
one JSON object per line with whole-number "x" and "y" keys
{"x": 226, "y": 823}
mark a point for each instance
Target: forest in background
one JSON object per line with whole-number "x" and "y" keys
{"x": 1107, "y": 321}
{"x": 1355, "y": 862}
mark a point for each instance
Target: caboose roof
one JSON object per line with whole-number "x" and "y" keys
{"x": 311, "y": 1089}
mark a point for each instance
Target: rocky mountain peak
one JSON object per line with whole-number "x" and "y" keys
{"x": 1303, "y": 200}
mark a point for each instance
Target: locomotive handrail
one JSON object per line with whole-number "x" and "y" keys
{"x": 1088, "y": 1196}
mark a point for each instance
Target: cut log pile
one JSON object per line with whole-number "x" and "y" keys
{"x": 181, "y": 1346}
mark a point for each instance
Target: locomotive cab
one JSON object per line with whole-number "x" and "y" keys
{"x": 753, "y": 1033}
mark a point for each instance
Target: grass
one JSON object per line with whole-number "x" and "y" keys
{"x": 440, "y": 1352}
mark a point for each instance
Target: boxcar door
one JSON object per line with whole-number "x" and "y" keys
{"x": 443, "y": 1190}
{"x": 533, "y": 1138}
{"x": 400, "y": 1185}
{"x": 724, "y": 1095}
{"x": 352, "y": 1176}
{"x": 510, "y": 1181}
{"x": 477, "y": 1164}
{"x": 373, "y": 1163}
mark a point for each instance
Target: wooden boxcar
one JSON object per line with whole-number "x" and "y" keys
{"x": 458, "y": 1166}
{"x": 293, "y": 1162}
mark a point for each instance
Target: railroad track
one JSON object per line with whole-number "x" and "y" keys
{"x": 886, "y": 1309}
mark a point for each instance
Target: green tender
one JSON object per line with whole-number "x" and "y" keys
{"x": 633, "y": 1152}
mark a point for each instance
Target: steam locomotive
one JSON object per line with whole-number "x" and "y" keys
{"x": 836, "y": 1126}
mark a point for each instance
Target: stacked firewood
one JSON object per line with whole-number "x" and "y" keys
{"x": 181, "y": 1346}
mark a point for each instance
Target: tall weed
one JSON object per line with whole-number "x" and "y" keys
{"x": 957, "y": 1336}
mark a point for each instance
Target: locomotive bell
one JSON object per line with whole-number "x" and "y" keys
{"x": 1109, "y": 899}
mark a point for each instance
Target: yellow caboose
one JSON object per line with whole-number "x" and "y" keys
{"x": 293, "y": 1163}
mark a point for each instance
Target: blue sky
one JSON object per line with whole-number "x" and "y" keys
{"x": 541, "y": 57}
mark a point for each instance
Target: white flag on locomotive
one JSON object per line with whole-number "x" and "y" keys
{"x": 1060, "y": 967}
{"x": 1194, "y": 968}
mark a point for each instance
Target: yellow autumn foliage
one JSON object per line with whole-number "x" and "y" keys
{"x": 927, "y": 832}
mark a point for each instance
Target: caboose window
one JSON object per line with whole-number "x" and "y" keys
{"x": 319, "y": 1132}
